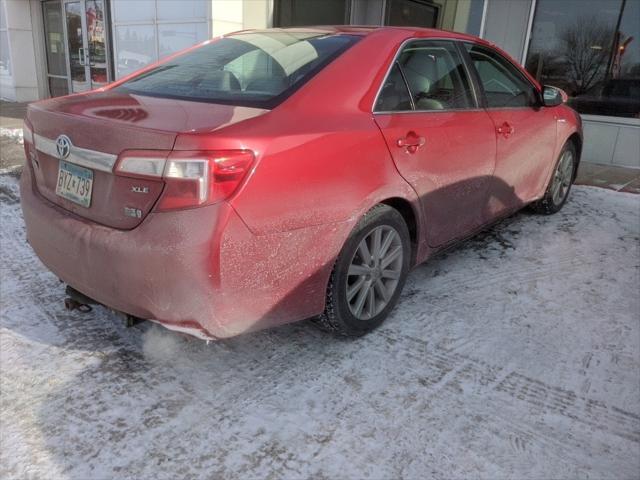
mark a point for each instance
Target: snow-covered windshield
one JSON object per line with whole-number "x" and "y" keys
{"x": 257, "y": 69}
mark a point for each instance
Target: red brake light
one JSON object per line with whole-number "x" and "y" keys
{"x": 194, "y": 179}
{"x": 229, "y": 168}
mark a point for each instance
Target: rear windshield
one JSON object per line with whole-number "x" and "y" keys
{"x": 247, "y": 69}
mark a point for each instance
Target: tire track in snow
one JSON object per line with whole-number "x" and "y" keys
{"x": 479, "y": 281}
{"x": 590, "y": 412}
{"x": 479, "y": 386}
{"x": 449, "y": 369}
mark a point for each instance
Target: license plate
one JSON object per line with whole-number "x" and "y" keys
{"x": 75, "y": 183}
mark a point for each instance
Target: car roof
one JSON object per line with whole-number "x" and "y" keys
{"x": 398, "y": 34}
{"x": 365, "y": 30}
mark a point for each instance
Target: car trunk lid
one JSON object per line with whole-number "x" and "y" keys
{"x": 100, "y": 126}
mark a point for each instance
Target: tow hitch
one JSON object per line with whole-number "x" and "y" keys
{"x": 78, "y": 301}
{"x": 131, "y": 321}
{"x": 71, "y": 304}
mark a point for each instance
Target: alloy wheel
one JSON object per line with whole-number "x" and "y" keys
{"x": 562, "y": 178}
{"x": 374, "y": 272}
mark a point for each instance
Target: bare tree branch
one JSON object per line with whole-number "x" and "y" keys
{"x": 585, "y": 46}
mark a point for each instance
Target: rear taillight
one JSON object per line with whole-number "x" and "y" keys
{"x": 142, "y": 163}
{"x": 192, "y": 179}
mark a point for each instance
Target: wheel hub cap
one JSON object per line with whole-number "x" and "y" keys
{"x": 374, "y": 272}
{"x": 562, "y": 178}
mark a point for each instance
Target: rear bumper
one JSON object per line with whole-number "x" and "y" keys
{"x": 161, "y": 270}
{"x": 199, "y": 271}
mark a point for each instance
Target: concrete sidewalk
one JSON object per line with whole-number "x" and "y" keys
{"x": 11, "y": 156}
{"x": 620, "y": 179}
{"x": 11, "y": 114}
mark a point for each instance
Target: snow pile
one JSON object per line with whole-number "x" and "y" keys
{"x": 13, "y": 134}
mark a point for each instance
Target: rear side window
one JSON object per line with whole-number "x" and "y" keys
{"x": 504, "y": 86}
{"x": 394, "y": 95}
{"x": 433, "y": 71}
{"x": 247, "y": 69}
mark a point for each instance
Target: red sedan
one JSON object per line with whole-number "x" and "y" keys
{"x": 270, "y": 176}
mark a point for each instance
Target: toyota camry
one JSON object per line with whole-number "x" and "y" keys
{"x": 270, "y": 176}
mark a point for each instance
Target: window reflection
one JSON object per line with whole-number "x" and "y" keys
{"x": 3, "y": 20}
{"x": 96, "y": 40}
{"x": 148, "y": 30}
{"x": 136, "y": 47}
{"x": 58, "y": 86}
{"x": 591, "y": 49}
{"x": 183, "y": 9}
{"x": 5, "y": 58}
{"x": 468, "y": 17}
{"x": 77, "y": 53}
{"x": 134, "y": 10}
{"x": 296, "y": 13}
{"x": 411, "y": 14}
{"x": 176, "y": 37}
{"x": 54, "y": 33}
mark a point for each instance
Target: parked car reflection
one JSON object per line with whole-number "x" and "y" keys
{"x": 616, "y": 97}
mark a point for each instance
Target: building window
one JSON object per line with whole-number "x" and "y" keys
{"x": 5, "y": 56}
{"x": 458, "y": 15}
{"x": 145, "y": 31}
{"x": 468, "y": 17}
{"x": 298, "y": 13}
{"x": 55, "y": 49}
{"x": 135, "y": 47}
{"x": 411, "y": 13}
{"x": 591, "y": 49}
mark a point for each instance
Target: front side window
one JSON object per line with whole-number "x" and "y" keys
{"x": 504, "y": 86}
{"x": 249, "y": 69}
{"x": 434, "y": 73}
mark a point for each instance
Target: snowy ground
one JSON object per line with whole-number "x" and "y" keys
{"x": 516, "y": 355}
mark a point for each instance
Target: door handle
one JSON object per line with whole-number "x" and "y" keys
{"x": 506, "y": 130}
{"x": 411, "y": 142}
{"x": 81, "y": 58}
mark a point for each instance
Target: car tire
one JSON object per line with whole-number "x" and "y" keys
{"x": 560, "y": 184}
{"x": 362, "y": 291}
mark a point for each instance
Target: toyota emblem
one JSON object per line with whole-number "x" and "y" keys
{"x": 63, "y": 146}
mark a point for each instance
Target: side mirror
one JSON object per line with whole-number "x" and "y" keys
{"x": 552, "y": 96}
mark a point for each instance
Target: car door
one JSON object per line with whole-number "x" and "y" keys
{"x": 525, "y": 130}
{"x": 440, "y": 141}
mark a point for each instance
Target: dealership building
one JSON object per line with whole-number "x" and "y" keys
{"x": 590, "y": 48}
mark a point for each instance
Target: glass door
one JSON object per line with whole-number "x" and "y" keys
{"x": 97, "y": 58}
{"x": 55, "y": 48}
{"x": 77, "y": 45}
